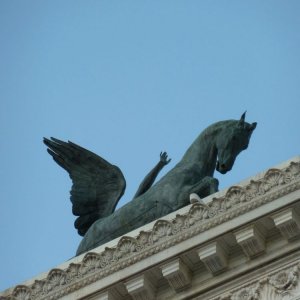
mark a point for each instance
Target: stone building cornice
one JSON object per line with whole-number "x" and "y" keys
{"x": 194, "y": 226}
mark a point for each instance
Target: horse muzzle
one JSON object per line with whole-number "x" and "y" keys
{"x": 222, "y": 168}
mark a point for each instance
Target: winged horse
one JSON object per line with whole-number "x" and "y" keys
{"x": 98, "y": 185}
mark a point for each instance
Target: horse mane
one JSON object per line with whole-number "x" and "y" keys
{"x": 218, "y": 126}
{"x": 208, "y": 132}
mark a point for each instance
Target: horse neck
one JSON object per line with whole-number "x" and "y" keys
{"x": 203, "y": 152}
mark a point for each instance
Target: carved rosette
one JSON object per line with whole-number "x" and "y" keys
{"x": 216, "y": 207}
{"x": 285, "y": 280}
{"x": 179, "y": 224}
{"x": 198, "y": 212}
{"x": 273, "y": 177}
{"x": 235, "y": 195}
{"x": 292, "y": 172}
{"x": 55, "y": 279}
{"x": 126, "y": 247}
{"x": 90, "y": 263}
{"x": 161, "y": 230}
{"x": 72, "y": 272}
{"x": 37, "y": 289}
{"x": 21, "y": 292}
{"x": 107, "y": 257}
{"x": 253, "y": 190}
{"x": 199, "y": 217}
{"x": 143, "y": 239}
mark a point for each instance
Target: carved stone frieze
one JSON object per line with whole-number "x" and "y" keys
{"x": 55, "y": 279}
{"x": 21, "y": 293}
{"x": 37, "y": 289}
{"x": 277, "y": 285}
{"x": 165, "y": 233}
{"x": 285, "y": 280}
{"x": 248, "y": 293}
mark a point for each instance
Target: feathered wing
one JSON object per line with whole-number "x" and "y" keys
{"x": 97, "y": 184}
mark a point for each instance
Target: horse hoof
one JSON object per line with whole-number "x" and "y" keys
{"x": 194, "y": 198}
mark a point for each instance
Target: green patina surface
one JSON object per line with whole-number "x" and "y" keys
{"x": 215, "y": 148}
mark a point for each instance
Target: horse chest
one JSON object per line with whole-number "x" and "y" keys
{"x": 187, "y": 176}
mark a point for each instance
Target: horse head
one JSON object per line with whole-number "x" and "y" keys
{"x": 232, "y": 139}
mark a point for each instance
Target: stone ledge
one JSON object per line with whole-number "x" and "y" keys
{"x": 154, "y": 239}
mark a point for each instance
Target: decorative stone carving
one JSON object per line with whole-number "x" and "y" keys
{"x": 72, "y": 272}
{"x": 161, "y": 230}
{"x": 140, "y": 288}
{"x": 282, "y": 284}
{"x": 234, "y": 196}
{"x": 37, "y": 289}
{"x": 55, "y": 279}
{"x": 143, "y": 239}
{"x": 178, "y": 274}
{"x": 22, "y": 292}
{"x": 107, "y": 257}
{"x": 291, "y": 172}
{"x": 197, "y": 213}
{"x": 90, "y": 263}
{"x": 253, "y": 190}
{"x": 249, "y": 293}
{"x": 251, "y": 240}
{"x": 215, "y": 207}
{"x": 285, "y": 280}
{"x": 166, "y": 233}
{"x": 288, "y": 222}
{"x": 126, "y": 247}
{"x": 214, "y": 257}
{"x": 273, "y": 177}
{"x": 179, "y": 224}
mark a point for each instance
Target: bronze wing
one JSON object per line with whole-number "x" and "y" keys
{"x": 97, "y": 184}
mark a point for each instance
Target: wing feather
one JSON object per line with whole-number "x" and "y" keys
{"x": 97, "y": 184}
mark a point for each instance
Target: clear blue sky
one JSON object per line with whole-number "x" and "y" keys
{"x": 127, "y": 79}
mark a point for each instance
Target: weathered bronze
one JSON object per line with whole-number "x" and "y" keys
{"x": 98, "y": 185}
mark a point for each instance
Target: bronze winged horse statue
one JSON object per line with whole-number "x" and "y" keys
{"x": 98, "y": 185}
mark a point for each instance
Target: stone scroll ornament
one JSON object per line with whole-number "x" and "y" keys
{"x": 98, "y": 185}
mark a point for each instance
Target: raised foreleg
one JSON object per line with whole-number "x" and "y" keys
{"x": 207, "y": 186}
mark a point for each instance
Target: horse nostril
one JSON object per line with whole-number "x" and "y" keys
{"x": 223, "y": 166}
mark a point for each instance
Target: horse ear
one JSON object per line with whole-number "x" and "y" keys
{"x": 242, "y": 119}
{"x": 253, "y": 126}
